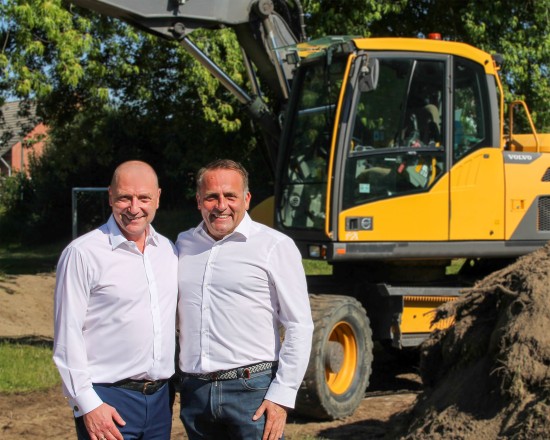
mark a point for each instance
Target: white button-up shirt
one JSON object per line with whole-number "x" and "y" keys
{"x": 115, "y": 312}
{"x": 235, "y": 293}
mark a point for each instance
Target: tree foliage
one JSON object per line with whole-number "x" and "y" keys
{"x": 518, "y": 30}
{"x": 109, "y": 92}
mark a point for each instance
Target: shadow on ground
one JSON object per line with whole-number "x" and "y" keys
{"x": 40, "y": 341}
{"x": 393, "y": 387}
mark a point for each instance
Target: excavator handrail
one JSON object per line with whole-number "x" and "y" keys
{"x": 513, "y": 104}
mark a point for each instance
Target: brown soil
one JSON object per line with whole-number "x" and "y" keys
{"x": 26, "y": 310}
{"x": 487, "y": 377}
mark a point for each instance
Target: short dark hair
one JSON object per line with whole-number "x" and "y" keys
{"x": 223, "y": 164}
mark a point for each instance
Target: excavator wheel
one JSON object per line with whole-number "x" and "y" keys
{"x": 340, "y": 363}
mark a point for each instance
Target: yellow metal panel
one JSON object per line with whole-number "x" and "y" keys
{"x": 523, "y": 184}
{"x": 434, "y": 46}
{"x": 264, "y": 212}
{"x": 477, "y": 196}
{"x": 527, "y": 142}
{"x": 419, "y": 311}
{"x": 415, "y": 217}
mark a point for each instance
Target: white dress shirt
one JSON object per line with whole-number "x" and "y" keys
{"x": 235, "y": 293}
{"x": 115, "y": 312}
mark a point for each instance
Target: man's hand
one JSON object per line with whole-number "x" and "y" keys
{"x": 99, "y": 423}
{"x": 275, "y": 419}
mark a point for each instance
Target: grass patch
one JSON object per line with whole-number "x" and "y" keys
{"x": 26, "y": 368}
{"x": 317, "y": 267}
{"x": 455, "y": 266}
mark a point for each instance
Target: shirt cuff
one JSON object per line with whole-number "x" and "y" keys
{"x": 84, "y": 403}
{"x": 281, "y": 395}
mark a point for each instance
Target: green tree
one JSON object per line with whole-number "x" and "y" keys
{"x": 350, "y": 17}
{"x": 518, "y": 30}
{"x": 110, "y": 92}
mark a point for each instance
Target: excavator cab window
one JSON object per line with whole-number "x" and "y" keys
{"x": 471, "y": 111}
{"x": 311, "y": 119}
{"x": 396, "y": 144}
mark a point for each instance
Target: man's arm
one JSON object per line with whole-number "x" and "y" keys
{"x": 70, "y": 304}
{"x": 289, "y": 279}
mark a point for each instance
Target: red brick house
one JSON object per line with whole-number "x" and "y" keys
{"x": 22, "y": 135}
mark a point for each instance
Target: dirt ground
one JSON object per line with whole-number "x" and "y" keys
{"x": 487, "y": 377}
{"x": 26, "y": 307}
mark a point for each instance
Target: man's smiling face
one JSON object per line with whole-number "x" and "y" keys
{"x": 222, "y": 201}
{"x": 134, "y": 198}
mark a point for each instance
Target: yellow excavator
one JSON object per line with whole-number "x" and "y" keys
{"x": 390, "y": 161}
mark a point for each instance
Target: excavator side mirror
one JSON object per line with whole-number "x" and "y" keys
{"x": 368, "y": 78}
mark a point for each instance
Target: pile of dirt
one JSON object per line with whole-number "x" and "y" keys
{"x": 488, "y": 375}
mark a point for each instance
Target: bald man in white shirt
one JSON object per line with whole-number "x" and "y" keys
{"x": 239, "y": 282}
{"x": 115, "y": 308}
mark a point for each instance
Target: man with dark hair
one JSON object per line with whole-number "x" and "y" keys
{"x": 239, "y": 283}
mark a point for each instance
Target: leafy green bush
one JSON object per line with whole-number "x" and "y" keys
{"x": 14, "y": 191}
{"x": 16, "y": 201}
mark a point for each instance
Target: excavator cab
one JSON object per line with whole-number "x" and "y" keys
{"x": 384, "y": 163}
{"x": 392, "y": 132}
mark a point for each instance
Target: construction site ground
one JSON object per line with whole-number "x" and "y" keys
{"x": 486, "y": 377}
{"x": 26, "y": 313}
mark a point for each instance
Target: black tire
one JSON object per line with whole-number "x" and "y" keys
{"x": 340, "y": 363}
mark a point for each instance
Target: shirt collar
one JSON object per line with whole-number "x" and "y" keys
{"x": 117, "y": 237}
{"x": 242, "y": 229}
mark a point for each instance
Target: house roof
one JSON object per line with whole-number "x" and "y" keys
{"x": 17, "y": 119}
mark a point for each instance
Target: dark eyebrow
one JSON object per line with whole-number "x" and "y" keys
{"x": 216, "y": 194}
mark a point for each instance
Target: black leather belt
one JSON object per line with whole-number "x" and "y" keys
{"x": 235, "y": 373}
{"x": 147, "y": 387}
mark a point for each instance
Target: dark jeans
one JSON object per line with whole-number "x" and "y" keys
{"x": 146, "y": 417}
{"x": 223, "y": 410}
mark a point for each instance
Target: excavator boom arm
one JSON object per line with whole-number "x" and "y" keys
{"x": 264, "y": 34}
{"x": 163, "y": 17}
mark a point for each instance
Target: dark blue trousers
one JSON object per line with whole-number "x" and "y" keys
{"x": 223, "y": 410}
{"x": 147, "y": 417}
